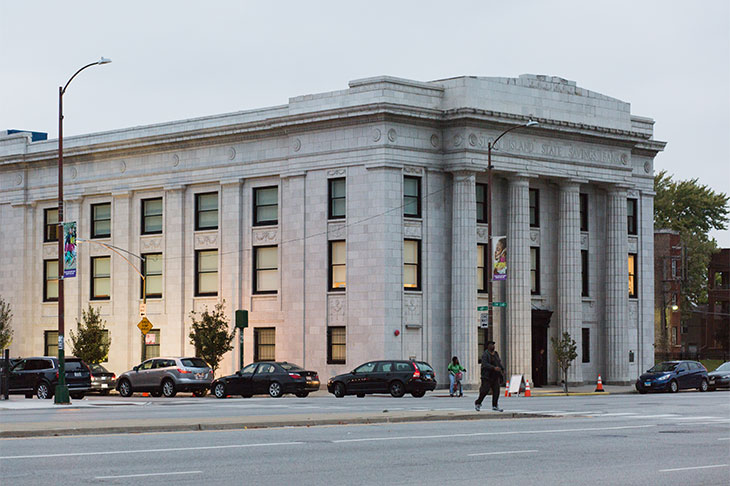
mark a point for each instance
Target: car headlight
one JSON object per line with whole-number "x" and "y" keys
{"x": 664, "y": 378}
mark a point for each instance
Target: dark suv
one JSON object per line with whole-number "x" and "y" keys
{"x": 394, "y": 377}
{"x": 39, "y": 377}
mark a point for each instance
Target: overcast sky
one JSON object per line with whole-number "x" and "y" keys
{"x": 184, "y": 59}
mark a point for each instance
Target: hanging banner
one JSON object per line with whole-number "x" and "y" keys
{"x": 499, "y": 259}
{"x": 69, "y": 250}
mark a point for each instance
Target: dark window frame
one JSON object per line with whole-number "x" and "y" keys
{"x": 94, "y": 278}
{"x": 47, "y": 226}
{"x": 331, "y": 344}
{"x": 484, "y": 203}
{"x": 534, "y": 209}
{"x": 267, "y": 222}
{"x": 585, "y": 344}
{"x": 143, "y": 286}
{"x": 47, "y": 344}
{"x": 143, "y": 223}
{"x": 632, "y": 215}
{"x": 256, "y": 270}
{"x": 585, "y": 290}
{"x": 584, "y": 208}
{"x": 417, "y": 197}
{"x": 634, "y": 290}
{"x": 256, "y": 344}
{"x": 94, "y": 221}
{"x": 332, "y": 266}
{"x": 198, "y": 293}
{"x": 45, "y": 280}
{"x": 331, "y": 199}
{"x": 483, "y": 286}
{"x": 418, "y": 266}
{"x": 536, "y": 271}
{"x": 197, "y": 197}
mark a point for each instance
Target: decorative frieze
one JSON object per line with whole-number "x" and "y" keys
{"x": 413, "y": 229}
{"x": 534, "y": 237}
{"x": 263, "y": 237}
{"x": 206, "y": 239}
{"x": 483, "y": 234}
{"x": 148, "y": 243}
{"x": 412, "y": 309}
{"x": 413, "y": 170}
{"x": 633, "y": 244}
{"x": 336, "y": 172}
{"x": 584, "y": 241}
{"x": 336, "y": 231}
{"x": 50, "y": 250}
{"x": 336, "y": 309}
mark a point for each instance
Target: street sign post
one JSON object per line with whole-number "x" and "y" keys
{"x": 484, "y": 320}
{"x": 241, "y": 324}
{"x": 143, "y": 309}
{"x": 499, "y": 304}
{"x": 483, "y": 308}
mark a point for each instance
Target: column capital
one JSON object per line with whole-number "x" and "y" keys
{"x": 289, "y": 175}
{"x": 121, "y": 194}
{"x": 174, "y": 187}
{"x": 571, "y": 184}
{"x": 231, "y": 181}
{"x": 519, "y": 179}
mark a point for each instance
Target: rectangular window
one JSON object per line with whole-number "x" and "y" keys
{"x": 206, "y": 272}
{"x": 674, "y": 269}
{"x": 674, "y": 335}
{"x": 152, "y": 216}
{"x": 585, "y": 287}
{"x": 338, "y": 265}
{"x": 101, "y": 278}
{"x": 50, "y": 343}
{"x": 586, "y": 344}
{"x": 412, "y": 265}
{"x": 152, "y": 270}
{"x": 481, "y": 203}
{"x": 631, "y": 214}
{"x": 337, "y": 198}
{"x": 336, "y": 348}
{"x": 481, "y": 270}
{"x": 265, "y": 206}
{"x": 534, "y": 208}
{"x": 151, "y": 344}
{"x": 584, "y": 212}
{"x": 206, "y": 211}
{"x": 264, "y": 344}
{"x": 50, "y": 280}
{"x": 50, "y": 224}
{"x": 534, "y": 270}
{"x": 412, "y": 197}
{"x": 266, "y": 270}
{"x": 101, "y": 220}
{"x": 632, "y": 276}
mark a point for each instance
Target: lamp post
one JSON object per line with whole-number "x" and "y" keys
{"x": 490, "y": 286}
{"x": 61, "y": 396}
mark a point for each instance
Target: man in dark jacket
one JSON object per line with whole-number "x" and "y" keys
{"x": 492, "y": 373}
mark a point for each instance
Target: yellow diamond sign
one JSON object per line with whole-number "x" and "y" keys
{"x": 145, "y": 325}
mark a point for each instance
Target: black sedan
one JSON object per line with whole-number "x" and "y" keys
{"x": 394, "y": 377}
{"x": 274, "y": 378}
{"x": 102, "y": 380}
{"x": 720, "y": 378}
{"x": 674, "y": 376}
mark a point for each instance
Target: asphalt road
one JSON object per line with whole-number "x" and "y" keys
{"x": 617, "y": 439}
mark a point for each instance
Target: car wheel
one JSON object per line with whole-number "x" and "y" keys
{"x": 703, "y": 386}
{"x": 673, "y": 386}
{"x": 338, "y": 390}
{"x": 43, "y": 391}
{"x": 104, "y": 393}
{"x": 77, "y": 396}
{"x": 396, "y": 389}
{"x": 219, "y": 390}
{"x": 200, "y": 393}
{"x": 418, "y": 394}
{"x": 168, "y": 388}
{"x": 125, "y": 388}
{"x": 275, "y": 390}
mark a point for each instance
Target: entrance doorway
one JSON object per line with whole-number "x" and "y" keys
{"x": 540, "y": 325}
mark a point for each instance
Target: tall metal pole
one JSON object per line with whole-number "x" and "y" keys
{"x": 61, "y": 396}
{"x": 490, "y": 257}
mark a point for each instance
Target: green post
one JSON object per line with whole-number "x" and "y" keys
{"x": 241, "y": 324}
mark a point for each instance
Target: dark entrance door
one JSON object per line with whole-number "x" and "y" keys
{"x": 540, "y": 325}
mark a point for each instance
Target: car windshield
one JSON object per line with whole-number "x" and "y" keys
{"x": 724, "y": 367}
{"x": 290, "y": 367}
{"x": 663, "y": 367}
{"x": 74, "y": 366}
{"x": 97, "y": 368}
{"x": 423, "y": 366}
{"x": 193, "y": 363}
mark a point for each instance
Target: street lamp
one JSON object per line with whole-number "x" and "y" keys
{"x": 61, "y": 396}
{"x": 490, "y": 295}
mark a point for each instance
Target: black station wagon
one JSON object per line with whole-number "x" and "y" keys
{"x": 394, "y": 377}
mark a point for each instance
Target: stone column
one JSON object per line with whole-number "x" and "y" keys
{"x": 124, "y": 292}
{"x": 230, "y": 257}
{"x": 617, "y": 293}
{"x": 569, "y": 271}
{"x": 464, "y": 272}
{"x": 518, "y": 358}
{"x": 176, "y": 263}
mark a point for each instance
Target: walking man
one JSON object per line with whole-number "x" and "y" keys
{"x": 492, "y": 373}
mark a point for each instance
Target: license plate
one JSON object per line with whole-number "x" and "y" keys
{"x": 104, "y": 385}
{"x": 309, "y": 378}
{"x": 428, "y": 377}
{"x": 77, "y": 373}
{"x": 647, "y": 383}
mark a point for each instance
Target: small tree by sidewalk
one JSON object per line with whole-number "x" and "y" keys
{"x": 91, "y": 342}
{"x": 6, "y": 332}
{"x": 565, "y": 353}
{"x": 210, "y": 335}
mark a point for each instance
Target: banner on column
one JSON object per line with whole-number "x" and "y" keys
{"x": 499, "y": 259}
{"x": 69, "y": 249}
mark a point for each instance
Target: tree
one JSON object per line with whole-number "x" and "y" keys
{"x": 6, "y": 332}
{"x": 210, "y": 335}
{"x": 91, "y": 342}
{"x": 565, "y": 353}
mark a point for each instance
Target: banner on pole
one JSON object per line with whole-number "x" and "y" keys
{"x": 499, "y": 259}
{"x": 69, "y": 249}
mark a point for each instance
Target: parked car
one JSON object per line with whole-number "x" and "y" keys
{"x": 167, "y": 376}
{"x": 394, "y": 377}
{"x": 39, "y": 376}
{"x": 674, "y": 376}
{"x": 102, "y": 380}
{"x": 720, "y": 378}
{"x": 274, "y": 378}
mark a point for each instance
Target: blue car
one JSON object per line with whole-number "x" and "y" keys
{"x": 673, "y": 376}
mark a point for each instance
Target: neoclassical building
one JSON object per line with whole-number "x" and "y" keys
{"x": 352, "y": 226}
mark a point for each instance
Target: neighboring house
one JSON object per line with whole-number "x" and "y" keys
{"x": 668, "y": 273}
{"x": 717, "y": 337}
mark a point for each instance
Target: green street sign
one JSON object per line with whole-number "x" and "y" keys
{"x": 499, "y": 304}
{"x": 483, "y": 308}
{"x": 241, "y": 319}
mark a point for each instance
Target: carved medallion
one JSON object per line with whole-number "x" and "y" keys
{"x": 375, "y": 134}
{"x": 435, "y": 141}
{"x": 392, "y": 136}
{"x": 297, "y": 144}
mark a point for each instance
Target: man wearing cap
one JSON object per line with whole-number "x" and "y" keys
{"x": 492, "y": 373}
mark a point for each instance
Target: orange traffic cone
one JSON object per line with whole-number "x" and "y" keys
{"x": 599, "y": 385}
{"x": 506, "y": 389}
{"x": 145, "y": 394}
{"x": 527, "y": 388}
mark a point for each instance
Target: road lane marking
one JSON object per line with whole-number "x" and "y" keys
{"x": 148, "y": 474}
{"x": 724, "y": 438}
{"x": 697, "y": 418}
{"x": 692, "y": 468}
{"x": 502, "y": 452}
{"x": 618, "y": 414}
{"x": 661, "y": 415}
{"x": 481, "y": 434}
{"x": 137, "y": 451}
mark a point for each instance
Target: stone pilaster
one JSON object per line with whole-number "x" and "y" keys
{"x": 176, "y": 264}
{"x": 569, "y": 270}
{"x": 617, "y": 293}
{"x": 230, "y": 255}
{"x": 124, "y": 280}
{"x": 518, "y": 358}
{"x": 463, "y": 272}
{"x": 293, "y": 259}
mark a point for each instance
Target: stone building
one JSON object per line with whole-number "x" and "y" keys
{"x": 668, "y": 276}
{"x": 352, "y": 226}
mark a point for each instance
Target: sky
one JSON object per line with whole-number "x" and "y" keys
{"x": 183, "y": 59}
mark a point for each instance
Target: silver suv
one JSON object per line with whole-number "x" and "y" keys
{"x": 167, "y": 376}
